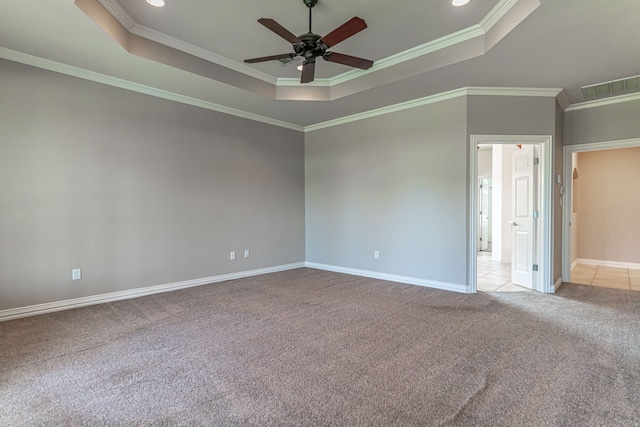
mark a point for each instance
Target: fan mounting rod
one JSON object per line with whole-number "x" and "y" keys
{"x": 310, "y": 4}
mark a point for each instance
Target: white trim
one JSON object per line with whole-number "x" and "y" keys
{"x": 119, "y": 13}
{"x": 574, "y": 264}
{"x": 563, "y": 100}
{"x": 558, "y": 284}
{"x": 545, "y": 235}
{"x": 567, "y": 167}
{"x": 34, "y": 310}
{"x": 603, "y": 263}
{"x": 166, "y": 40}
{"x": 93, "y": 76}
{"x": 478, "y": 30}
{"x": 453, "y": 287}
{"x": 432, "y": 99}
{"x": 604, "y": 102}
{"x": 295, "y": 82}
{"x": 513, "y": 91}
{"x": 389, "y": 109}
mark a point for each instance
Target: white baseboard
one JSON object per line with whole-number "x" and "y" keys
{"x": 454, "y": 287}
{"x": 558, "y": 284}
{"x": 603, "y": 263}
{"x": 574, "y": 263}
{"x": 34, "y": 310}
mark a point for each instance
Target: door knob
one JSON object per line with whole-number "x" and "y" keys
{"x": 513, "y": 223}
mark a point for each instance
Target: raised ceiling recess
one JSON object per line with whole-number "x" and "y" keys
{"x": 213, "y": 42}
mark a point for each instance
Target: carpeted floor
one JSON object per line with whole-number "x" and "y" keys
{"x": 308, "y": 347}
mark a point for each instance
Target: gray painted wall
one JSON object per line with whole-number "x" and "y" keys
{"x": 605, "y": 123}
{"x": 135, "y": 190}
{"x": 397, "y": 184}
{"x": 511, "y": 115}
{"x": 502, "y": 115}
{"x": 139, "y": 191}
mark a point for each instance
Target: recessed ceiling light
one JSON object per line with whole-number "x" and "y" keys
{"x": 156, "y": 3}
{"x": 453, "y": 2}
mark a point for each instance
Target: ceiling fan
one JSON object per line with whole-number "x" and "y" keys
{"x": 310, "y": 46}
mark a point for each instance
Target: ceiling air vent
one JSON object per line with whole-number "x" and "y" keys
{"x": 612, "y": 88}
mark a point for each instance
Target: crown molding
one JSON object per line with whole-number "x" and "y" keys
{"x": 119, "y": 13}
{"x": 133, "y": 27}
{"x": 475, "y": 31}
{"x": 563, "y": 100}
{"x": 432, "y": 99}
{"x": 162, "y": 38}
{"x": 496, "y": 14}
{"x": 290, "y": 82}
{"x": 469, "y": 33}
{"x": 93, "y": 76}
{"x": 513, "y": 91}
{"x": 604, "y": 102}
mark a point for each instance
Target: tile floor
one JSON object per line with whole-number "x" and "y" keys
{"x": 608, "y": 277}
{"x": 494, "y": 276}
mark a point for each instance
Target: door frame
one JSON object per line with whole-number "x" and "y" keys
{"x": 481, "y": 177}
{"x": 567, "y": 169}
{"x": 544, "y": 230}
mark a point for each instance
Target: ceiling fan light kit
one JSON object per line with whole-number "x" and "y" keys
{"x": 310, "y": 46}
{"x": 156, "y": 3}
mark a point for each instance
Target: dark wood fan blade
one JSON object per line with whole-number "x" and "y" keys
{"x": 349, "y": 60}
{"x": 308, "y": 72}
{"x": 343, "y": 32}
{"x": 279, "y": 30}
{"x": 269, "y": 58}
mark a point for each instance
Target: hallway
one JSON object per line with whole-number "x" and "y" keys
{"x": 607, "y": 277}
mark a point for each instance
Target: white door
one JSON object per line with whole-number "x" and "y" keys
{"x": 484, "y": 214}
{"x": 522, "y": 222}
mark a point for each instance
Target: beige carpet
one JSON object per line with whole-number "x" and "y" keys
{"x": 308, "y": 347}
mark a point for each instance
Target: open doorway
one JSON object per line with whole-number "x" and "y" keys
{"x": 494, "y": 205}
{"x": 600, "y": 230}
{"x": 520, "y": 213}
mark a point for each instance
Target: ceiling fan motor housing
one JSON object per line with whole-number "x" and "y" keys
{"x": 310, "y": 3}
{"x": 310, "y": 47}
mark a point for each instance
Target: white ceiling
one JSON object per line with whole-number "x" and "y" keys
{"x": 562, "y": 44}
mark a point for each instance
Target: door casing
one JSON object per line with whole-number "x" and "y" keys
{"x": 544, "y": 236}
{"x": 568, "y": 150}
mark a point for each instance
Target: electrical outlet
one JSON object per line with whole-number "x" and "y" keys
{"x": 246, "y": 253}
{"x": 232, "y": 256}
{"x": 76, "y": 274}
{"x": 376, "y": 254}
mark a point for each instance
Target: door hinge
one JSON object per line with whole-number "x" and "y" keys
{"x": 536, "y": 160}
{"x": 536, "y": 214}
{"x": 481, "y": 239}
{"x": 535, "y": 267}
